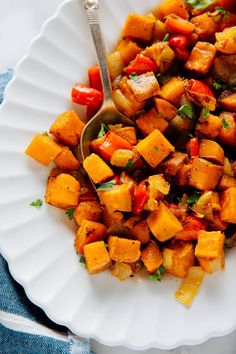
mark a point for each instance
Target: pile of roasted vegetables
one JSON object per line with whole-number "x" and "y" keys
{"x": 166, "y": 187}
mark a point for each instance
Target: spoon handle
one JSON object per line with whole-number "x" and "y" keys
{"x": 91, "y": 9}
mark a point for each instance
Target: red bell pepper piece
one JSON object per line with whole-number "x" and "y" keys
{"x": 201, "y": 88}
{"x": 95, "y": 78}
{"x": 229, "y": 20}
{"x": 87, "y": 96}
{"x": 177, "y": 24}
{"x": 140, "y": 198}
{"x": 140, "y": 65}
{"x": 192, "y": 147}
{"x": 178, "y": 41}
{"x": 191, "y": 226}
{"x": 182, "y": 54}
{"x": 108, "y": 144}
{"x": 228, "y": 5}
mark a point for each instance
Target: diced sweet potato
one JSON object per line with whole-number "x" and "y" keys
{"x": 165, "y": 109}
{"x": 89, "y": 231}
{"x": 182, "y": 175}
{"x": 115, "y": 64}
{"x": 210, "y": 150}
{"x": 215, "y": 199}
{"x": 97, "y": 169}
{"x": 200, "y": 172}
{"x": 43, "y": 149}
{"x": 128, "y": 50}
{"x": 122, "y": 271}
{"x": 228, "y": 205}
{"x": 151, "y": 120}
{"x": 177, "y": 7}
{"x": 217, "y": 224}
{"x": 172, "y": 90}
{"x": 172, "y": 165}
{"x": 201, "y": 58}
{"x": 88, "y": 210}
{"x": 227, "y": 133}
{"x": 163, "y": 224}
{"x": 211, "y": 266}
{"x": 63, "y": 191}
{"x": 127, "y": 133}
{"x": 228, "y": 100}
{"x": 160, "y": 30}
{"x": 67, "y": 128}
{"x": 119, "y": 198}
{"x": 189, "y": 287}
{"x": 151, "y": 257}
{"x": 138, "y": 27}
{"x": 140, "y": 231}
{"x": 226, "y": 41}
{"x": 121, "y": 157}
{"x": 123, "y": 250}
{"x": 144, "y": 86}
{"x": 177, "y": 261}
{"x": 162, "y": 54}
{"x": 210, "y": 244}
{"x": 205, "y": 26}
{"x": 97, "y": 257}
{"x": 154, "y": 148}
{"x": 66, "y": 160}
{"x": 226, "y": 182}
{"x": 210, "y": 126}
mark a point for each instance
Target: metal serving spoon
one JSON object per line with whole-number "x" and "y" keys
{"x": 108, "y": 113}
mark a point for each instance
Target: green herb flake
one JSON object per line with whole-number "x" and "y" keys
{"x": 82, "y": 260}
{"x": 222, "y": 10}
{"x": 134, "y": 77}
{"x": 192, "y": 200}
{"x": 205, "y": 112}
{"x": 44, "y": 133}
{"x": 155, "y": 148}
{"x": 70, "y": 213}
{"x": 219, "y": 85}
{"x": 158, "y": 75}
{"x": 107, "y": 186}
{"x": 158, "y": 275}
{"x": 37, "y": 203}
{"x": 166, "y": 38}
{"x": 225, "y": 124}
{"x": 200, "y": 4}
{"x": 187, "y": 110}
{"x": 103, "y": 130}
{"x": 129, "y": 165}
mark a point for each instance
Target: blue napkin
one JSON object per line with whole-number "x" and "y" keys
{"x": 24, "y": 328}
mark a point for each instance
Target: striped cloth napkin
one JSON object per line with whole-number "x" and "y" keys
{"x": 24, "y": 328}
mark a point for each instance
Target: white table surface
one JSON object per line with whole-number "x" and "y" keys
{"x": 20, "y": 21}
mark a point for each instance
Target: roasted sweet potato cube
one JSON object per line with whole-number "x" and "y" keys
{"x": 228, "y": 205}
{"x": 172, "y": 165}
{"x": 201, "y": 58}
{"x": 154, "y": 148}
{"x": 200, "y": 172}
{"x": 121, "y": 157}
{"x": 143, "y": 86}
{"x": 162, "y": 54}
{"x": 172, "y": 90}
{"x": 227, "y": 133}
{"x": 140, "y": 231}
{"x": 210, "y": 150}
{"x": 66, "y": 160}
{"x": 163, "y": 224}
{"x": 97, "y": 169}
{"x": 43, "y": 149}
{"x": 177, "y": 7}
{"x": 97, "y": 257}
{"x": 63, "y": 191}
{"x": 119, "y": 198}
{"x": 127, "y": 133}
{"x": 182, "y": 175}
{"x": 160, "y": 30}
{"x": 217, "y": 224}
{"x": 67, "y": 128}
{"x": 88, "y": 210}
{"x": 227, "y": 100}
{"x": 123, "y": 250}
{"x": 151, "y": 120}
{"x": 210, "y": 244}
{"x": 178, "y": 260}
{"x": 165, "y": 109}
{"x": 205, "y": 26}
{"x": 152, "y": 257}
{"x": 128, "y": 50}
{"x": 226, "y": 182}
{"x": 138, "y": 27}
{"x": 210, "y": 265}
{"x": 88, "y": 232}
{"x": 210, "y": 126}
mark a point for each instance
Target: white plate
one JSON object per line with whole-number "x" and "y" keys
{"x": 38, "y": 243}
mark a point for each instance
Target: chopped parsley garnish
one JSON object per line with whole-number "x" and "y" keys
{"x": 200, "y": 4}
{"x": 45, "y": 133}
{"x": 82, "y": 260}
{"x": 205, "y": 112}
{"x": 70, "y": 213}
{"x": 158, "y": 75}
{"x": 107, "y": 186}
{"x": 166, "y": 38}
{"x": 134, "y": 77}
{"x": 193, "y": 198}
{"x": 158, "y": 275}
{"x": 225, "y": 124}
{"x": 187, "y": 110}
{"x": 129, "y": 164}
{"x": 155, "y": 148}
{"x": 104, "y": 129}
{"x": 222, "y": 10}
{"x": 37, "y": 203}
